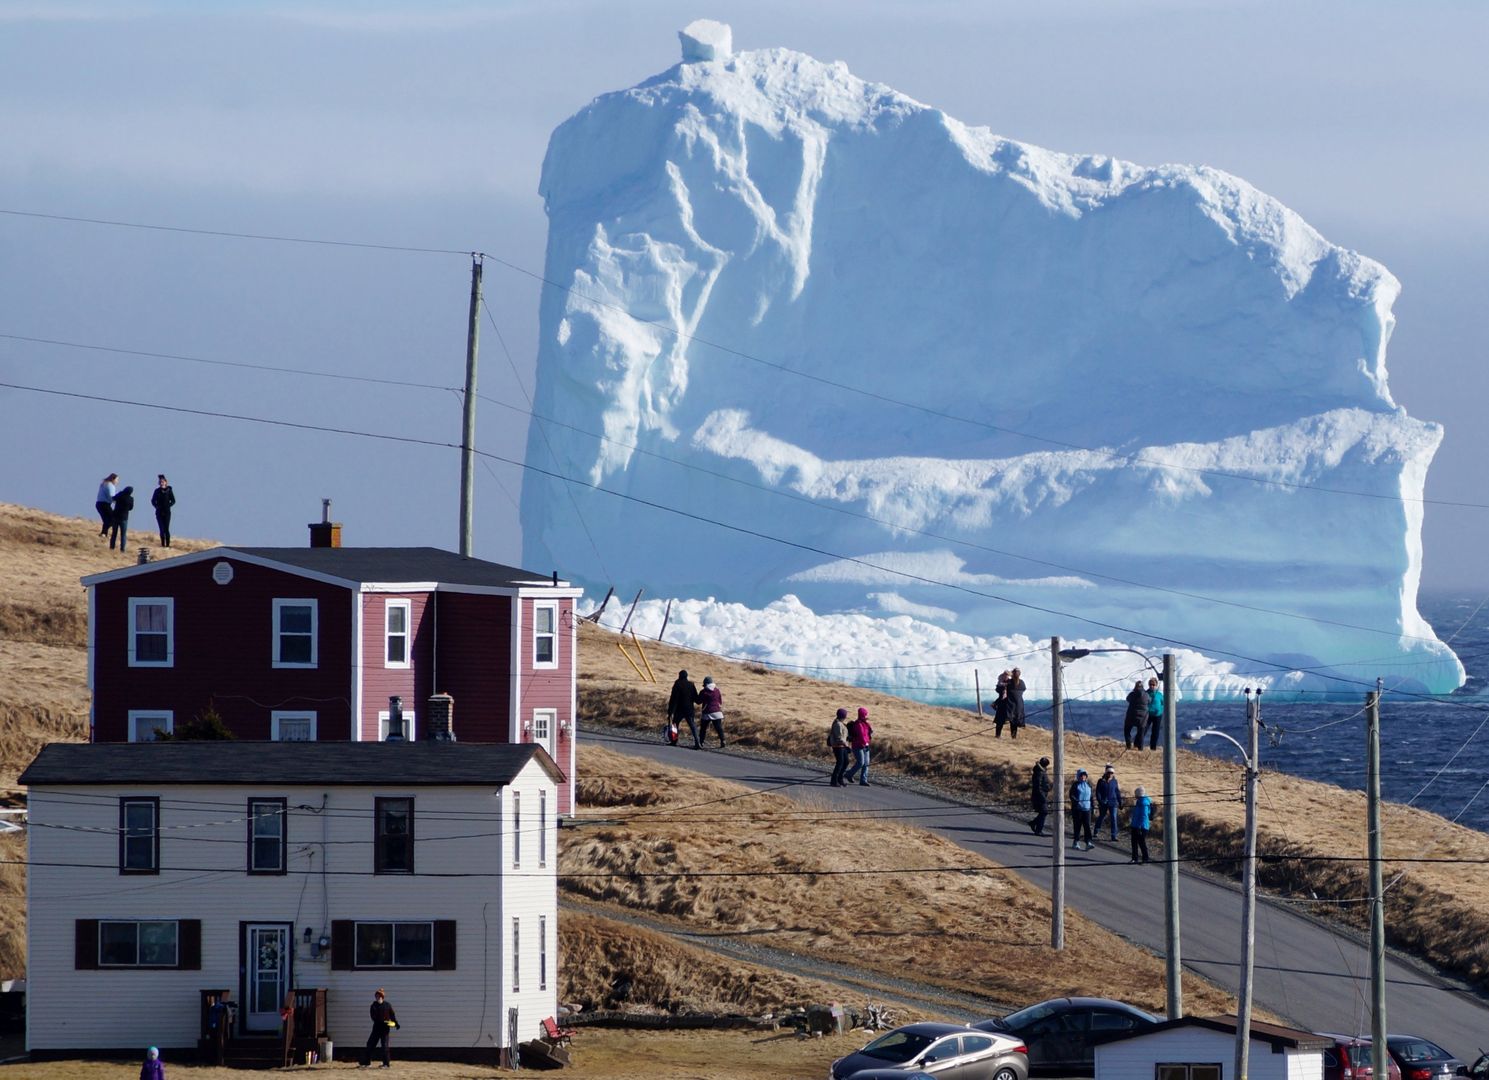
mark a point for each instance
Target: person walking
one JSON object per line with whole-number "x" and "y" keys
{"x": 1139, "y": 821}
{"x": 384, "y": 1023}
{"x": 105, "y": 502}
{"x": 1137, "y": 716}
{"x": 163, "y": 498}
{"x": 1039, "y": 795}
{"x": 680, "y": 706}
{"x": 711, "y": 704}
{"x": 1080, "y": 809}
{"x": 1015, "y": 691}
{"x": 119, "y": 525}
{"x": 837, "y": 738}
{"x": 860, "y": 735}
{"x": 1001, "y": 706}
{"x": 152, "y": 1068}
{"x": 1155, "y": 712}
{"x": 1108, "y": 800}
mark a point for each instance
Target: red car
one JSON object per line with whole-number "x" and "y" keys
{"x": 1350, "y": 1058}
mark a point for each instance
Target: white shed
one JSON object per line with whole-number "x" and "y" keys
{"x": 1203, "y": 1048}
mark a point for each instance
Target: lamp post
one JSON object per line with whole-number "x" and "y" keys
{"x": 1173, "y": 964}
{"x": 1248, "y": 875}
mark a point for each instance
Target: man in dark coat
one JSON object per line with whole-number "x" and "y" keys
{"x": 384, "y": 1023}
{"x": 163, "y": 498}
{"x": 1137, "y": 716}
{"x": 1039, "y": 794}
{"x": 1015, "y": 702}
{"x": 119, "y": 527}
{"x": 680, "y": 705}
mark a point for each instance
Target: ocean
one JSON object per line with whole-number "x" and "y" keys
{"x": 1434, "y": 753}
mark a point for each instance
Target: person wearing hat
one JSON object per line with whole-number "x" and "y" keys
{"x": 1080, "y": 808}
{"x": 1015, "y": 690}
{"x": 837, "y": 738}
{"x": 1155, "y": 713}
{"x": 860, "y": 734}
{"x": 1108, "y": 799}
{"x": 153, "y": 1068}
{"x": 1139, "y": 821}
{"x": 680, "y": 707}
{"x": 1039, "y": 794}
{"x": 163, "y": 498}
{"x": 384, "y": 1023}
{"x": 711, "y": 704}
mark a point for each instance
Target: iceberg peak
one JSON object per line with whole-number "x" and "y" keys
{"x": 705, "y": 39}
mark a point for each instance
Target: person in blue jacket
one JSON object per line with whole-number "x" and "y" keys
{"x": 1108, "y": 800}
{"x": 1139, "y": 821}
{"x": 1155, "y": 713}
{"x": 1080, "y": 808}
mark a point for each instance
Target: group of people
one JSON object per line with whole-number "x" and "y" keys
{"x": 849, "y": 741}
{"x": 1103, "y": 799}
{"x": 685, "y": 699}
{"x": 1008, "y": 704}
{"x": 1144, "y": 715}
{"x": 114, "y": 504}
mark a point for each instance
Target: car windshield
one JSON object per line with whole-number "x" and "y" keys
{"x": 1360, "y": 1055}
{"x": 1025, "y": 1017}
{"x": 896, "y": 1046}
{"x": 1419, "y": 1050}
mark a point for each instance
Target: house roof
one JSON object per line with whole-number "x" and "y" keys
{"x": 362, "y": 565}
{"x": 1277, "y": 1036}
{"x": 409, "y": 764}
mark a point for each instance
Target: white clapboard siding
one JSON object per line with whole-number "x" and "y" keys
{"x": 463, "y": 873}
{"x": 1138, "y": 1058}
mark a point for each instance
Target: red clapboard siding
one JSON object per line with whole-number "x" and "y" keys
{"x": 474, "y": 658}
{"x": 551, "y": 688}
{"x": 414, "y": 683}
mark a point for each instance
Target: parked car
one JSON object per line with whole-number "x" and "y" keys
{"x": 1479, "y": 1070}
{"x": 1059, "y": 1033}
{"x": 1350, "y": 1058}
{"x": 1422, "y": 1059}
{"x": 946, "y": 1049}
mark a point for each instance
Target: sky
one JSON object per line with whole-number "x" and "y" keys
{"x": 423, "y": 125}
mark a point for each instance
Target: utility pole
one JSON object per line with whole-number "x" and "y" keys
{"x": 1248, "y": 888}
{"x": 468, "y": 428}
{"x": 1171, "y": 846}
{"x": 1057, "y": 793}
{"x": 1377, "y": 890}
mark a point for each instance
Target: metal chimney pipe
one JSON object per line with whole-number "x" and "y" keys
{"x": 395, "y": 719}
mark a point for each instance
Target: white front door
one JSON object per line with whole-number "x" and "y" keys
{"x": 267, "y": 974}
{"x": 545, "y": 724}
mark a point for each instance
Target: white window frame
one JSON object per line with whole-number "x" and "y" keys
{"x": 277, "y": 716}
{"x": 516, "y": 955}
{"x": 407, "y": 607}
{"x": 175, "y": 963}
{"x": 409, "y": 732}
{"x": 147, "y": 714}
{"x": 544, "y": 721}
{"x": 393, "y": 963}
{"x": 279, "y": 604}
{"x": 542, "y": 829}
{"x": 550, "y": 606}
{"x": 516, "y": 830}
{"x": 542, "y": 952}
{"x": 169, "y": 603}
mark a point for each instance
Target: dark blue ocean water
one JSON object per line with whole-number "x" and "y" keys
{"x": 1434, "y": 753}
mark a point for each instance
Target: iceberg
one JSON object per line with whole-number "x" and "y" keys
{"x": 804, "y": 337}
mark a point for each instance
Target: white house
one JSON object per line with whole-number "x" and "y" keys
{"x": 159, "y": 870}
{"x": 1203, "y": 1048}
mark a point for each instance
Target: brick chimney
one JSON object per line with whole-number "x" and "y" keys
{"x": 325, "y": 533}
{"x": 439, "y": 719}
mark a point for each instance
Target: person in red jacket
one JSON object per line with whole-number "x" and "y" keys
{"x": 860, "y": 734}
{"x": 711, "y": 705}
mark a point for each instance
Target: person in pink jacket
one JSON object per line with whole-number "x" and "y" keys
{"x": 860, "y": 734}
{"x": 711, "y": 705}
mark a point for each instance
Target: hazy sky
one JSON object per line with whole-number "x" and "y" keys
{"x": 424, "y": 124}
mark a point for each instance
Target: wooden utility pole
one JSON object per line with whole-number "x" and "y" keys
{"x": 1377, "y": 888}
{"x": 1173, "y": 965}
{"x": 1248, "y": 887}
{"x": 1057, "y": 793}
{"x": 468, "y": 427}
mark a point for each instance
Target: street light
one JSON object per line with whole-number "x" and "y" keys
{"x": 1173, "y": 965}
{"x": 1248, "y": 875}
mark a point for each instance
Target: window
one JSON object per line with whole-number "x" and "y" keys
{"x": 1179, "y": 1071}
{"x": 543, "y": 954}
{"x": 151, "y": 631}
{"x": 393, "y": 846}
{"x": 397, "y": 616}
{"x": 545, "y": 635}
{"x": 146, "y": 724}
{"x": 516, "y": 954}
{"x": 294, "y": 633}
{"x": 976, "y": 1044}
{"x": 287, "y": 726}
{"x": 395, "y": 944}
{"x": 516, "y": 828}
{"x": 268, "y": 836}
{"x": 139, "y": 836}
{"x": 408, "y": 726}
{"x": 542, "y": 828}
{"x": 137, "y": 943}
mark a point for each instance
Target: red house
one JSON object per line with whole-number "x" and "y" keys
{"x": 313, "y": 643}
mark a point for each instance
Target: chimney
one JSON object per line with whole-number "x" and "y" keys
{"x": 395, "y": 719}
{"x": 144, "y": 557}
{"x": 325, "y": 533}
{"x": 439, "y": 718}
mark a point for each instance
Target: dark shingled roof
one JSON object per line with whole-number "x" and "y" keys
{"x": 1275, "y": 1034}
{"x": 362, "y": 564}
{"x": 283, "y": 763}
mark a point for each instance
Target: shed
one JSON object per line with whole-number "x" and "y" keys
{"x": 1203, "y": 1048}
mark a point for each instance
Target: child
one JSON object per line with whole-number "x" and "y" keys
{"x": 153, "y": 1068}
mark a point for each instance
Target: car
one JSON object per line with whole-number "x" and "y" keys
{"x": 956, "y": 1050}
{"x": 1479, "y": 1070}
{"x": 1350, "y": 1058}
{"x": 1060, "y": 1032}
{"x": 1422, "y": 1059}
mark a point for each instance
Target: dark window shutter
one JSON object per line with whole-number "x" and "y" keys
{"x": 189, "y": 944}
{"x": 343, "y": 944}
{"x": 444, "y": 944}
{"x": 85, "y": 949}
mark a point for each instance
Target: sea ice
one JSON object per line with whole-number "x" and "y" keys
{"x": 704, "y": 39}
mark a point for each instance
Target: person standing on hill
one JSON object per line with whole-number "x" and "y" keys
{"x": 1039, "y": 795}
{"x": 711, "y": 704}
{"x": 837, "y": 738}
{"x": 1015, "y": 688}
{"x": 1001, "y": 706}
{"x": 119, "y": 526}
{"x": 105, "y": 502}
{"x": 1139, "y": 822}
{"x": 1155, "y": 713}
{"x": 163, "y": 498}
{"x": 1108, "y": 800}
{"x": 1080, "y": 809}
{"x": 860, "y": 735}
{"x": 680, "y": 706}
{"x": 1137, "y": 716}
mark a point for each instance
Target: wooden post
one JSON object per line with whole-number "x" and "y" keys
{"x": 1057, "y": 792}
{"x": 468, "y": 425}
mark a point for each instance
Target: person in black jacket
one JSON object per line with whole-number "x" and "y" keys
{"x": 163, "y": 498}
{"x": 119, "y": 525}
{"x": 1137, "y": 716}
{"x": 384, "y": 1023}
{"x": 680, "y": 705}
{"x": 1015, "y": 688}
{"x": 1001, "y": 706}
{"x": 1039, "y": 794}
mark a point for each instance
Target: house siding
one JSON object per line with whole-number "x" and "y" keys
{"x": 73, "y": 875}
{"x": 222, "y": 641}
{"x": 551, "y": 687}
{"x": 1136, "y": 1059}
{"x": 379, "y": 682}
{"x": 474, "y": 659}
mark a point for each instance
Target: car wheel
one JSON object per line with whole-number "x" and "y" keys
{"x": 1006, "y": 1073}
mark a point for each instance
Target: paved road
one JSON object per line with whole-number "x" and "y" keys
{"x": 1317, "y": 977}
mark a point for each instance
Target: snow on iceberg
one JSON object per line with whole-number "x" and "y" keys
{"x": 889, "y": 362}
